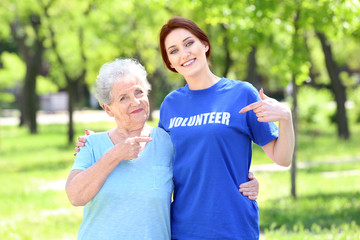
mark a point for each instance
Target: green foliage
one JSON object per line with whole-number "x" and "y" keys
{"x": 12, "y": 73}
{"x": 13, "y": 70}
{"x": 354, "y": 103}
{"x": 45, "y": 86}
{"x": 315, "y": 106}
{"x": 115, "y": 29}
{"x": 6, "y": 97}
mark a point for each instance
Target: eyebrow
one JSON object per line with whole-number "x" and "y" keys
{"x": 183, "y": 41}
{"x": 119, "y": 96}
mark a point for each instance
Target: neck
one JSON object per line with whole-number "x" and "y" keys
{"x": 202, "y": 81}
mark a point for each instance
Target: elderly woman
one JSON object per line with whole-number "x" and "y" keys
{"x": 123, "y": 176}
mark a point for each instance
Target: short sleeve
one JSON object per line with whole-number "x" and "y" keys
{"x": 84, "y": 158}
{"x": 261, "y": 133}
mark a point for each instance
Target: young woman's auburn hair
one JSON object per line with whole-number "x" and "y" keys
{"x": 180, "y": 22}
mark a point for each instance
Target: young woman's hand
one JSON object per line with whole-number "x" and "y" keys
{"x": 250, "y": 188}
{"x": 82, "y": 140}
{"x": 268, "y": 109}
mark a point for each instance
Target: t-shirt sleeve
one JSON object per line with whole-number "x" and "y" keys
{"x": 84, "y": 158}
{"x": 261, "y": 133}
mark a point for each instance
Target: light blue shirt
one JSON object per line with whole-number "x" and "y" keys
{"x": 134, "y": 202}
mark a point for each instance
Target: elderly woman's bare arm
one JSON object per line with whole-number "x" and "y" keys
{"x": 83, "y": 185}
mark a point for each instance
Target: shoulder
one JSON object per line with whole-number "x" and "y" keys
{"x": 96, "y": 137}
{"x": 161, "y": 136}
{"x": 240, "y": 85}
{"x": 175, "y": 93}
{"x": 161, "y": 133}
{"x": 243, "y": 89}
{"x": 161, "y": 142}
{"x": 172, "y": 99}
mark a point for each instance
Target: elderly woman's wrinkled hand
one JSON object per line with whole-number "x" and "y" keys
{"x": 132, "y": 147}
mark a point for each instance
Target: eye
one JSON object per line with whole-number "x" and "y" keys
{"x": 123, "y": 98}
{"x": 173, "y": 51}
{"x": 139, "y": 92}
{"x": 189, "y": 43}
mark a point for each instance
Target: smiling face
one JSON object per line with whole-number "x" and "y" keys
{"x": 130, "y": 104}
{"x": 186, "y": 53}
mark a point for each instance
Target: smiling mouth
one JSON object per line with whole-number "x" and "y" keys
{"x": 137, "y": 110}
{"x": 188, "y": 63}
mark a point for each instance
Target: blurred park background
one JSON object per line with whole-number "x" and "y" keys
{"x": 305, "y": 53}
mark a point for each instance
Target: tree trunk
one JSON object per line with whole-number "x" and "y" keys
{"x": 312, "y": 75}
{"x": 32, "y": 70}
{"x": 71, "y": 86}
{"x": 227, "y": 61}
{"x": 73, "y": 82}
{"x": 252, "y": 76}
{"x": 295, "y": 122}
{"x": 30, "y": 98}
{"x": 294, "y": 94}
{"x": 32, "y": 56}
{"x": 337, "y": 87}
{"x": 21, "y": 106}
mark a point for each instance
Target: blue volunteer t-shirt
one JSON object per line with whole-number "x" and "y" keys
{"x": 213, "y": 149}
{"x": 134, "y": 202}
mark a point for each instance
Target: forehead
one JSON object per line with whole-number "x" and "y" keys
{"x": 177, "y": 36}
{"x": 127, "y": 84}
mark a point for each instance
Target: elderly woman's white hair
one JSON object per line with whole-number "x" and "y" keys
{"x": 115, "y": 71}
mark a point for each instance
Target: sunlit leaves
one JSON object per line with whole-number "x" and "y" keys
{"x": 13, "y": 69}
{"x": 115, "y": 28}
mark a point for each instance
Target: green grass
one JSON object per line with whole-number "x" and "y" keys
{"x": 33, "y": 203}
{"x": 320, "y": 145}
{"x": 327, "y": 207}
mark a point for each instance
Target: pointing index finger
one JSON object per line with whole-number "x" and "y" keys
{"x": 250, "y": 107}
{"x": 142, "y": 139}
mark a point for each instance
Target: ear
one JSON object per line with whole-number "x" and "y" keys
{"x": 206, "y": 48}
{"x": 107, "y": 109}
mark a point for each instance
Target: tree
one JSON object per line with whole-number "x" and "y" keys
{"x": 27, "y": 34}
{"x": 73, "y": 78}
{"x": 337, "y": 87}
{"x": 331, "y": 20}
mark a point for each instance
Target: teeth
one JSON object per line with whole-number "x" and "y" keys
{"x": 188, "y": 63}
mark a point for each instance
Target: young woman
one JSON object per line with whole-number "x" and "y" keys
{"x": 213, "y": 122}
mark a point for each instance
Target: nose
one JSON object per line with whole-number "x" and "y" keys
{"x": 135, "y": 101}
{"x": 184, "y": 53}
